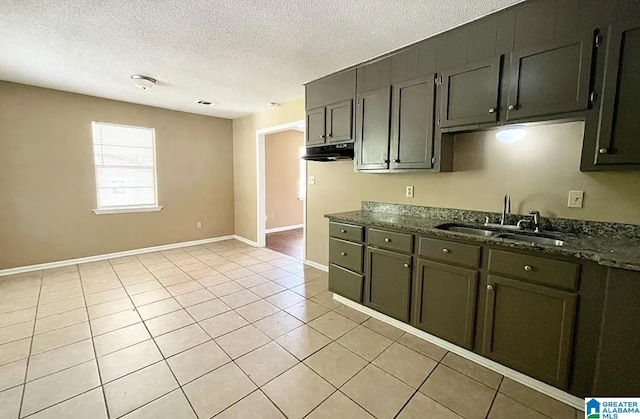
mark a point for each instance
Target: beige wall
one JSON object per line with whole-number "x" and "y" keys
{"x": 47, "y": 183}
{"x": 244, "y": 160}
{"x": 539, "y": 171}
{"x": 282, "y": 173}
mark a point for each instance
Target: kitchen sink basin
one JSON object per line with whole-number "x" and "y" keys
{"x": 470, "y": 230}
{"x": 524, "y": 238}
{"x": 533, "y": 240}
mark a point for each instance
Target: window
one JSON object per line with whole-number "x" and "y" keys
{"x": 302, "y": 175}
{"x": 125, "y": 168}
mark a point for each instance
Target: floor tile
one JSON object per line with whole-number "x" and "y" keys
{"x": 54, "y": 388}
{"x": 111, "y": 307}
{"x": 383, "y": 328}
{"x": 171, "y": 406}
{"x": 506, "y": 408}
{"x": 405, "y": 364}
{"x": 267, "y": 289}
{"x": 289, "y": 280}
{"x": 143, "y": 287}
{"x": 134, "y": 390}
{"x": 223, "y": 323}
{"x": 127, "y": 360}
{"x": 473, "y": 370}
{"x": 184, "y": 288}
{"x": 308, "y": 290}
{"x": 158, "y": 308}
{"x": 58, "y": 321}
{"x": 422, "y": 346}
{"x": 133, "y": 280}
{"x": 202, "y": 273}
{"x": 255, "y": 405}
{"x": 119, "y": 339}
{"x": 57, "y": 296}
{"x": 336, "y": 364}
{"x": 306, "y": 310}
{"x": 150, "y": 297}
{"x": 230, "y": 383}
{"x": 213, "y": 280}
{"x": 59, "y": 359}
{"x": 332, "y": 325}
{"x": 536, "y": 400}
{"x": 197, "y": 361}
{"x": 226, "y": 288}
{"x": 105, "y": 296}
{"x": 298, "y": 391}
{"x": 352, "y": 314}
{"x": 257, "y": 310}
{"x": 14, "y": 351}
{"x": 326, "y": 299}
{"x": 275, "y": 273}
{"x": 303, "y": 341}
{"x": 207, "y": 309}
{"x": 10, "y": 403}
{"x": 239, "y": 298}
{"x": 285, "y": 299}
{"x": 420, "y": 407}
{"x": 456, "y": 391}
{"x": 242, "y": 341}
{"x": 16, "y": 332}
{"x": 195, "y": 297}
{"x": 18, "y": 316}
{"x": 168, "y": 322}
{"x": 266, "y": 362}
{"x": 365, "y": 342}
{"x": 60, "y": 337}
{"x": 12, "y": 374}
{"x": 378, "y": 392}
{"x": 339, "y": 406}
{"x": 114, "y": 321}
{"x": 278, "y": 324}
{"x": 86, "y": 405}
{"x": 45, "y": 310}
{"x": 181, "y": 339}
{"x": 18, "y": 304}
{"x": 261, "y": 267}
{"x": 245, "y": 277}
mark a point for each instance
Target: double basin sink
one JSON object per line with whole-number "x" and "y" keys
{"x": 534, "y": 239}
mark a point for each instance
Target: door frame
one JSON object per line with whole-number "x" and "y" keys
{"x": 261, "y": 235}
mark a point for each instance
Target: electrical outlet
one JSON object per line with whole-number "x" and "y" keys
{"x": 408, "y": 192}
{"x": 575, "y": 199}
{"x": 273, "y": 216}
{"x": 198, "y": 224}
{"x": 312, "y": 180}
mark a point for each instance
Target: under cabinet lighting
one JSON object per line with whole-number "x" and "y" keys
{"x": 511, "y": 134}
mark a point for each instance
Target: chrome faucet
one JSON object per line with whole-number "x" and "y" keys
{"x": 536, "y": 220}
{"x": 506, "y": 208}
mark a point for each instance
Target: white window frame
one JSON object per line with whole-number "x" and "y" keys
{"x": 126, "y": 208}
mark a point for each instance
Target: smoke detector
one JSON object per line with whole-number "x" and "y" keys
{"x": 143, "y": 82}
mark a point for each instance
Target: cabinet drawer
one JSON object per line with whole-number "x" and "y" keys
{"x": 535, "y": 269}
{"x": 345, "y": 283}
{"x": 346, "y": 254}
{"x": 398, "y": 242}
{"x": 346, "y": 232}
{"x": 450, "y": 252}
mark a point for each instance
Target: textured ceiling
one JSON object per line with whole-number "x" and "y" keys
{"x": 239, "y": 54}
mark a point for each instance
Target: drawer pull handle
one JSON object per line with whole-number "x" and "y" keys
{"x": 343, "y": 231}
{"x": 489, "y": 287}
{"x": 406, "y": 265}
{"x": 387, "y": 240}
{"x": 528, "y": 268}
{"x": 445, "y": 250}
{"x": 343, "y": 253}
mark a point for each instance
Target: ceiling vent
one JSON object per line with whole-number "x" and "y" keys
{"x": 143, "y": 82}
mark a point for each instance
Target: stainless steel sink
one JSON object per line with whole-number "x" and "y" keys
{"x": 533, "y": 240}
{"x": 469, "y": 230}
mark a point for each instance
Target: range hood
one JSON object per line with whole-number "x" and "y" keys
{"x": 330, "y": 152}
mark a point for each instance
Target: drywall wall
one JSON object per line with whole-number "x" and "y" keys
{"x": 244, "y": 160}
{"x": 47, "y": 182}
{"x": 539, "y": 172}
{"x": 282, "y": 176}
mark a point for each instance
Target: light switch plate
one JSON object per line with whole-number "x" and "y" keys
{"x": 312, "y": 180}
{"x": 575, "y": 199}
{"x": 408, "y": 191}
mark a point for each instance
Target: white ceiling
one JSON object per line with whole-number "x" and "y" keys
{"x": 240, "y": 54}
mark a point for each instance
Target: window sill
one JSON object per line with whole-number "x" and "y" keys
{"x": 124, "y": 210}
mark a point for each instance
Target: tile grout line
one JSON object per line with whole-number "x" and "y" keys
{"x": 493, "y": 400}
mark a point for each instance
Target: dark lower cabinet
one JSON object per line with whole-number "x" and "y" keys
{"x": 388, "y": 283}
{"x": 372, "y": 129}
{"x": 530, "y": 328}
{"x": 445, "y": 301}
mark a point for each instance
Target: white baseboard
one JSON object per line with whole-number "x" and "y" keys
{"x": 523, "y": 379}
{"x": 285, "y": 228}
{"x": 49, "y": 265}
{"x": 247, "y": 241}
{"x": 317, "y": 265}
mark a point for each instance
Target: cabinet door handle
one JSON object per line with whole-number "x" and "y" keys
{"x": 329, "y": 135}
{"x": 387, "y": 240}
{"x": 489, "y": 287}
{"x": 528, "y": 268}
{"x": 492, "y": 110}
{"x": 603, "y": 151}
{"x": 396, "y": 161}
{"x": 445, "y": 250}
{"x": 343, "y": 231}
{"x": 385, "y": 161}
{"x": 511, "y": 107}
{"x": 406, "y": 265}
{"x": 343, "y": 253}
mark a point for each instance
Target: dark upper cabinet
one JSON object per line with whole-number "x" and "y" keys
{"x": 372, "y": 129}
{"x": 316, "y": 126}
{"x": 412, "y": 116}
{"x": 445, "y": 301}
{"x": 551, "y": 78}
{"x": 339, "y": 121}
{"x": 388, "y": 283}
{"x": 530, "y": 328}
{"x": 469, "y": 94}
{"x": 617, "y": 138}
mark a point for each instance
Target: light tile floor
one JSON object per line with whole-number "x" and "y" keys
{"x": 230, "y": 331}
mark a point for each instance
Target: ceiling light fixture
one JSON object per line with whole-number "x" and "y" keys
{"x": 143, "y": 82}
{"x": 511, "y": 134}
{"x": 204, "y": 102}
{"x": 273, "y": 104}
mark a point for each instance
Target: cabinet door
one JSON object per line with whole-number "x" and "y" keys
{"x": 315, "y": 126}
{"x": 445, "y": 302}
{"x": 617, "y": 138}
{"x": 412, "y": 124}
{"x": 388, "y": 283}
{"x": 372, "y": 129}
{"x": 551, "y": 79}
{"x": 340, "y": 122}
{"x": 529, "y": 328}
{"x": 470, "y": 94}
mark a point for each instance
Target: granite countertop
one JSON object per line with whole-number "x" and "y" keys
{"x": 608, "y": 250}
